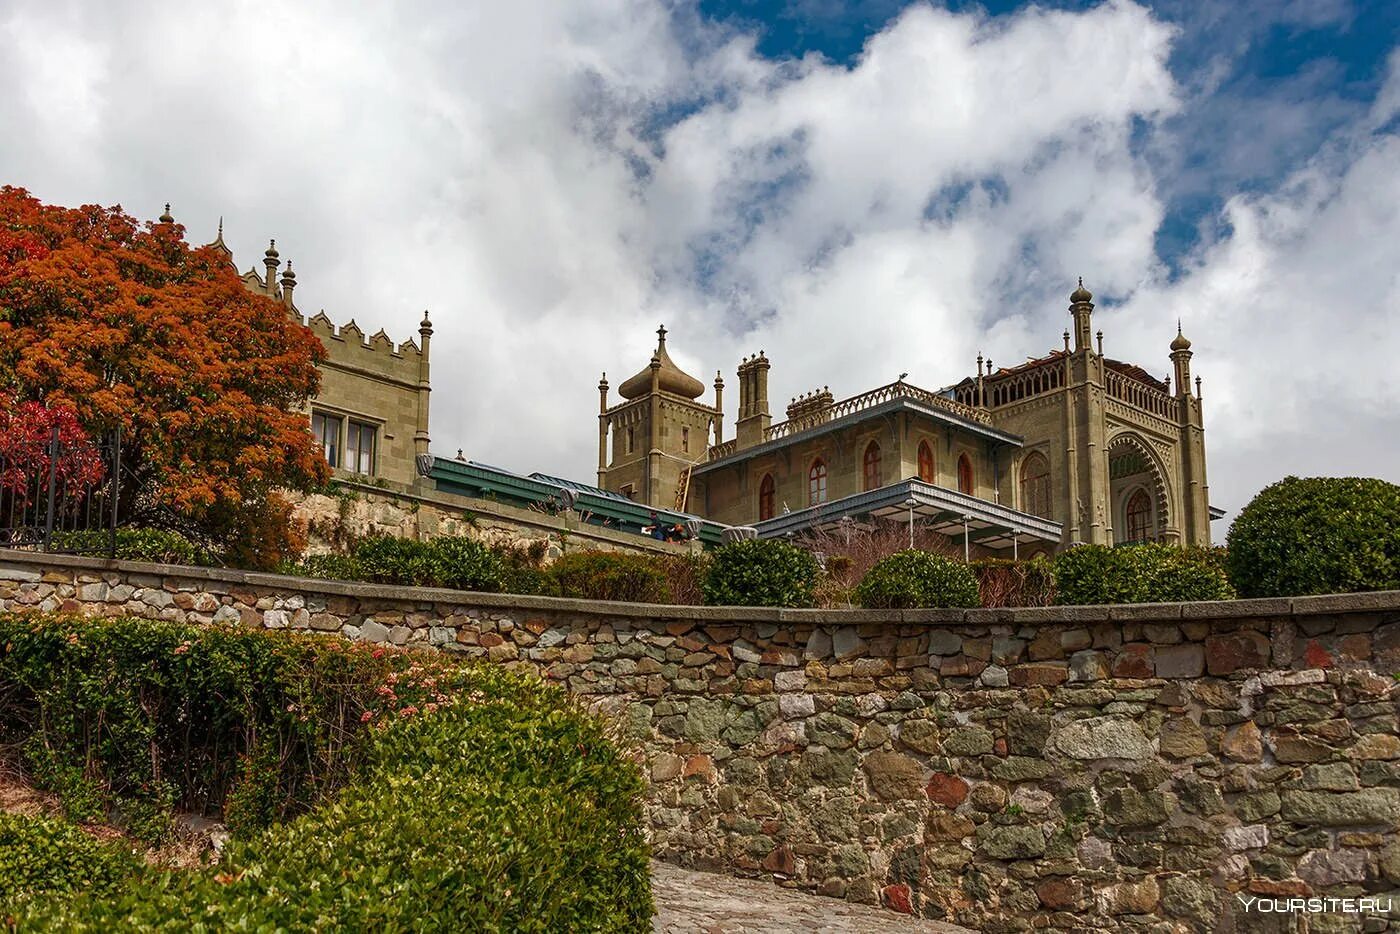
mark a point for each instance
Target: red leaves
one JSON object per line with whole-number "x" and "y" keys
{"x": 126, "y": 324}
{"x": 26, "y": 433}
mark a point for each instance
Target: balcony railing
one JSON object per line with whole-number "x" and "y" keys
{"x": 1138, "y": 395}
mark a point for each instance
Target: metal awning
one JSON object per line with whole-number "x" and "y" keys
{"x": 946, "y": 511}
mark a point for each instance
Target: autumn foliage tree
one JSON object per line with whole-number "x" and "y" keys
{"x": 127, "y": 325}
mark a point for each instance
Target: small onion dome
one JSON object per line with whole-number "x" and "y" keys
{"x": 1180, "y": 342}
{"x": 271, "y": 251}
{"x": 166, "y": 218}
{"x": 289, "y": 276}
{"x": 1081, "y": 294}
{"x": 671, "y": 378}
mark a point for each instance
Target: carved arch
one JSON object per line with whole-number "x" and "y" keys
{"x": 1131, "y": 441}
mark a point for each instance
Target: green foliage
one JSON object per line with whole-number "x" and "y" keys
{"x": 133, "y": 544}
{"x": 468, "y": 797}
{"x": 1315, "y": 535}
{"x": 1003, "y": 583}
{"x": 911, "y": 579}
{"x": 603, "y": 575}
{"x": 455, "y": 562}
{"x": 1153, "y": 573}
{"x": 761, "y": 572}
{"x": 41, "y": 855}
{"x": 325, "y": 567}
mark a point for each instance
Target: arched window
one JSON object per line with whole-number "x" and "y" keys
{"x": 765, "y": 498}
{"x": 816, "y": 483}
{"x": 966, "y": 481}
{"x": 872, "y": 465}
{"x": 1138, "y": 513}
{"x": 925, "y": 462}
{"x": 1035, "y": 486}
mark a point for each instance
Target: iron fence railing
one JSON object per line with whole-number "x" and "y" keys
{"x": 53, "y": 488}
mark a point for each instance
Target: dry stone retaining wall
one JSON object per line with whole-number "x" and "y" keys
{"x": 1160, "y": 767}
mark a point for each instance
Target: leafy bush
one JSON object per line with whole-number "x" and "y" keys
{"x": 911, "y": 579}
{"x": 456, "y": 562}
{"x": 761, "y": 572}
{"x": 1153, "y": 573}
{"x": 261, "y": 535}
{"x": 133, "y": 544}
{"x": 1003, "y": 583}
{"x": 1317, "y": 535}
{"x": 325, "y": 567}
{"x": 39, "y": 855}
{"x": 849, "y": 551}
{"x": 466, "y": 797}
{"x": 603, "y": 575}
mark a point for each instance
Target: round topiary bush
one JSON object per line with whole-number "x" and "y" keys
{"x": 912, "y": 579}
{"x": 1153, "y": 573}
{"x": 761, "y": 572}
{"x": 1310, "y": 535}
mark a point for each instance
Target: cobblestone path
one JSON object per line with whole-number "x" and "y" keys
{"x": 688, "y": 902}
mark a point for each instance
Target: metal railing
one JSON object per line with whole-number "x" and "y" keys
{"x": 50, "y": 489}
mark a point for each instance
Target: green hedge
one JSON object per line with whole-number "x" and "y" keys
{"x": 1317, "y": 535}
{"x": 602, "y": 575}
{"x": 41, "y": 854}
{"x": 761, "y": 572}
{"x": 442, "y": 796}
{"x": 911, "y": 579}
{"x": 1153, "y": 573}
{"x": 155, "y": 545}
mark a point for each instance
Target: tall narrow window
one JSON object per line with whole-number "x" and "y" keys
{"x": 765, "y": 498}
{"x": 816, "y": 483}
{"x": 326, "y": 428}
{"x": 359, "y": 447}
{"x": 872, "y": 466}
{"x": 1138, "y": 512}
{"x": 925, "y": 462}
{"x": 1035, "y": 486}
{"x": 630, "y": 438}
{"x": 685, "y": 440}
{"x": 966, "y": 482}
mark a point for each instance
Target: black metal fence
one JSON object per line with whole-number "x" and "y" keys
{"x": 61, "y": 495}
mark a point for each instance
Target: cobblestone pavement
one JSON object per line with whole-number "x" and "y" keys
{"x": 689, "y": 902}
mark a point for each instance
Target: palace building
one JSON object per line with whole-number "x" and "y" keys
{"x": 1066, "y": 448}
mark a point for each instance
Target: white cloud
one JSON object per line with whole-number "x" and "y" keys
{"x": 516, "y": 169}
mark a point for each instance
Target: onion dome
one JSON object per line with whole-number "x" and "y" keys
{"x": 670, "y": 377}
{"x": 1180, "y": 342}
{"x": 166, "y": 218}
{"x": 271, "y": 251}
{"x": 1081, "y": 294}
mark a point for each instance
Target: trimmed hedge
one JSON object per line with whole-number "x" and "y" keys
{"x": 445, "y": 796}
{"x": 913, "y": 579}
{"x": 1152, "y": 573}
{"x": 154, "y": 545}
{"x": 1317, "y": 535}
{"x": 40, "y": 855}
{"x": 603, "y": 575}
{"x": 761, "y": 572}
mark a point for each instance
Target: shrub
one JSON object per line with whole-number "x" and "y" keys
{"x": 386, "y": 559}
{"x": 1003, "y": 583}
{"x": 262, "y": 535}
{"x": 602, "y": 575}
{"x": 848, "y": 552}
{"x": 468, "y": 797}
{"x": 134, "y": 544}
{"x": 462, "y": 563}
{"x": 761, "y": 572}
{"x": 911, "y": 579}
{"x": 39, "y": 855}
{"x": 685, "y": 577}
{"x": 1096, "y": 574}
{"x": 1317, "y": 535}
{"x": 325, "y": 567}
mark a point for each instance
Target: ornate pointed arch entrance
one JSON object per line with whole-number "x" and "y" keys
{"x": 1138, "y": 492}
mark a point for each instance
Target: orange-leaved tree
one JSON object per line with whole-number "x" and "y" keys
{"x": 128, "y": 325}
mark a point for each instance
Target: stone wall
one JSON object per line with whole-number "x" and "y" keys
{"x": 1159, "y": 767}
{"x": 360, "y": 509}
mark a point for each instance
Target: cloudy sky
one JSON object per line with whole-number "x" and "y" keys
{"x": 858, "y": 187}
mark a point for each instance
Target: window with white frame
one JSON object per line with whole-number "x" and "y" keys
{"x": 326, "y": 428}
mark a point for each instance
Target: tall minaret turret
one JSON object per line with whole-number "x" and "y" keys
{"x": 271, "y": 261}
{"x": 289, "y": 282}
{"x": 1081, "y": 307}
{"x": 1181, "y": 362}
{"x": 420, "y": 435}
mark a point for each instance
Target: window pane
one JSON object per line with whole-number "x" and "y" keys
{"x": 326, "y": 428}
{"x": 359, "y": 447}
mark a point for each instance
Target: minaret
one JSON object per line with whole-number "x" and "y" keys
{"x": 1081, "y": 308}
{"x": 166, "y": 218}
{"x": 1181, "y": 361}
{"x": 603, "y": 431}
{"x": 719, "y": 408}
{"x": 289, "y": 282}
{"x": 271, "y": 261}
{"x": 420, "y": 435}
{"x": 1195, "y": 511}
